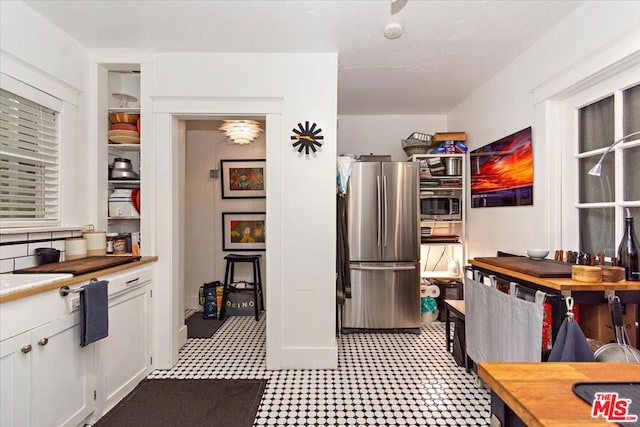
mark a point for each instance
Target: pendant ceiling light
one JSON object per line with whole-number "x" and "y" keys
{"x": 241, "y": 131}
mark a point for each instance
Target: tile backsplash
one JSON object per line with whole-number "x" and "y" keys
{"x": 18, "y": 250}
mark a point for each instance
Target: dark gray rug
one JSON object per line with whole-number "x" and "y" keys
{"x": 197, "y": 327}
{"x": 193, "y": 403}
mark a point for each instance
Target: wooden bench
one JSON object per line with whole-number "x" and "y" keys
{"x": 455, "y": 309}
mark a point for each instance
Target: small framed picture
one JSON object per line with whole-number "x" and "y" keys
{"x": 243, "y": 231}
{"x": 243, "y": 179}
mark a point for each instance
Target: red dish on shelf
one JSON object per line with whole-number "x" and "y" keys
{"x": 124, "y": 126}
{"x": 135, "y": 199}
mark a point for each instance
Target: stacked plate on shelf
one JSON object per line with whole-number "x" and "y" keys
{"x": 125, "y": 128}
{"x": 124, "y": 136}
{"x": 425, "y": 232}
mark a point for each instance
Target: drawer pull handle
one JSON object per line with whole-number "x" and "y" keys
{"x": 132, "y": 281}
{"x": 43, "y": 341}
{"x": 26, "y": 349}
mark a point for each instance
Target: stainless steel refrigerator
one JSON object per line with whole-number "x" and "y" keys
{"x": 384, "y": 246}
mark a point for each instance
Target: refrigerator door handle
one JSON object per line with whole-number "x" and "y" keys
{"x": 379, "y": 201}
{"x": 384, "y": 212}
{"x": 381, "y": 268}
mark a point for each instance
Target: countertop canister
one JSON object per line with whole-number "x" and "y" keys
{"x": 96, "y": 242}
{"x": 75, "y": 248}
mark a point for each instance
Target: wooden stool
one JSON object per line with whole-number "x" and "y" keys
{"x": 256, "y": 285}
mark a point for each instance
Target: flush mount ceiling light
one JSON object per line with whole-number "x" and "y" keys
{"x": 597, "y": 169}
{"x": 241, "y": 131}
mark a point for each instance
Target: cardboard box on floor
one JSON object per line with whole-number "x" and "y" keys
{"x": 595, "y": 322}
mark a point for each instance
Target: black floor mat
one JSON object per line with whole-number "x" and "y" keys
{"x": 193, "y": 403}
{"x": 197, "y": 327}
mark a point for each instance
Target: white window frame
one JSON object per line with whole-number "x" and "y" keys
{"x": 30, "y": 93}
{"x": 558, "y": 135}
{"x": 614, "y": 85}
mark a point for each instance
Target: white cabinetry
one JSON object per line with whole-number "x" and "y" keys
{"x": 124, "y": 356}
{"x": 61, "y": 372}
{"x": 442, "y": 221}
{"x": 47, "y": 379}
{"x": 15, "y": 358}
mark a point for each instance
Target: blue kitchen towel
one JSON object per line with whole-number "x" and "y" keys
{"x": 571, "y": 345}
{"x": 94, "y": 312}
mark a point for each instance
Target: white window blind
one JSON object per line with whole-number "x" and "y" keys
{"x": 29, "y": 162}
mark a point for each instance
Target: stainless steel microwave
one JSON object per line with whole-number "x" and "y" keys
{"x": 441, "y": 208}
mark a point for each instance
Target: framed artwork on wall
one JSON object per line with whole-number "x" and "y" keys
{"x": 243, "y": 178}
{"x": 243, "y": 231}
{"x": 502, "y": 172}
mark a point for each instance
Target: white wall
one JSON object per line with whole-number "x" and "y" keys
{"x": 505, "y": 104}
{"x": 34, "y": 51}
{"x": 384, "y": 134}
{"x": 204, "y": 258}
{"x": 300, "y": 189}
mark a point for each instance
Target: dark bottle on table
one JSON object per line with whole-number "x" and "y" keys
{"x": 628, "y": 250}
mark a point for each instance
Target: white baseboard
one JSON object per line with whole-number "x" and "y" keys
{"x": 182, "y": 336}
{"x": 308, "y": 358}
{"x": 192, "y": 302}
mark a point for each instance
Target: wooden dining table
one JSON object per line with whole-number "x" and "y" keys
{"x": 541, "y": 394}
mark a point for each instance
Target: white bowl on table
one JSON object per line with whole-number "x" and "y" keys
{"x": 537, "y": 254}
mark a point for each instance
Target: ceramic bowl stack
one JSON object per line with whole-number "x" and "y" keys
{"x": 125, "y": 128}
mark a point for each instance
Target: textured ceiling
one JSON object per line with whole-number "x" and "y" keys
{"x": 448, "y": 48}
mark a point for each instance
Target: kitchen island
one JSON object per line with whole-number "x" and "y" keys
{"x": 560, "y": 287}
{"x": 540, "y": 394}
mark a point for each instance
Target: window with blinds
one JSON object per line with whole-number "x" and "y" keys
{"x": 29, "y": 163}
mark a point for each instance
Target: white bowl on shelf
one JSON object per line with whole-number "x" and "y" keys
{"x": 537, "y": 253}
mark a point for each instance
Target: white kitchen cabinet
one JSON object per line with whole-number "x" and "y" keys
{"x": 15, "y": 360}
{"x": 124, "y": 356}
{"x": 47, "y": 379}
{"x": 62, "y": 374}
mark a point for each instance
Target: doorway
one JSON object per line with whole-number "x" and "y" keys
{"x": 210, "y": 200}
{"x": 169, "y": 187}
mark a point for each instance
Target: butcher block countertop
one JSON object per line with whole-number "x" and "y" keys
{"x": 557, "y": 283}
{"x": 541, "y": 394}
{"x": 77, "y": 279}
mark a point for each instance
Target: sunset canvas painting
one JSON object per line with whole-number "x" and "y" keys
{"x": 502, "y": 172}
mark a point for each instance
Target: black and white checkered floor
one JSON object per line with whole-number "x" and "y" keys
{"x": 381, "y": 380}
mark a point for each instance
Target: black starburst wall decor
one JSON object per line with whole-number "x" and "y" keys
{"x": 307, "y": 138}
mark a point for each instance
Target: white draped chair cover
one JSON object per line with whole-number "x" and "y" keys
{"x": 501, "y": 327}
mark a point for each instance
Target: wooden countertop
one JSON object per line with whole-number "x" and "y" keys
{"x": 76, "y": 279}
{"x": 561, "y": 284}
{"x": 541, "y": 395}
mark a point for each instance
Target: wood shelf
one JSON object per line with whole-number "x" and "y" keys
{"x": 124, "y": 147}
{"x": 134, "y": 110}
{"x": 124, "y": 183}
{"x": 439, "y": 275}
